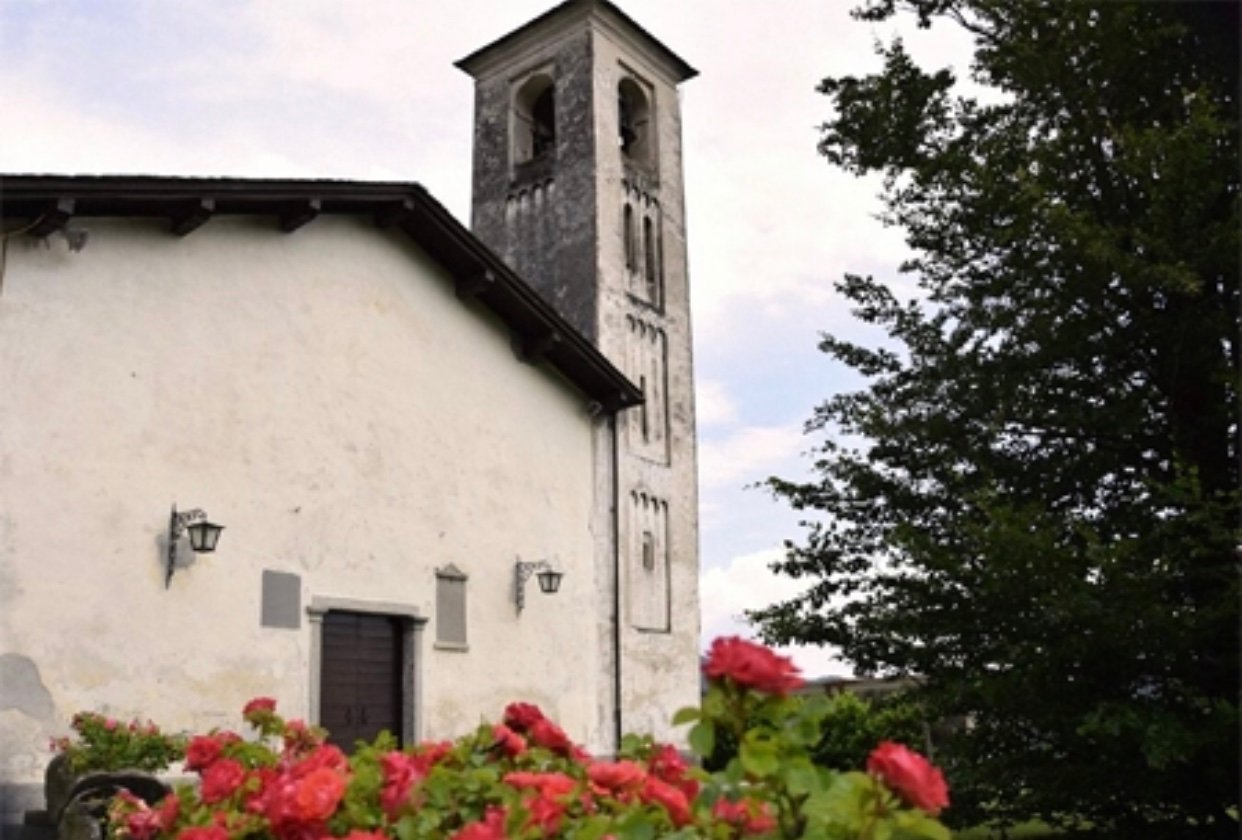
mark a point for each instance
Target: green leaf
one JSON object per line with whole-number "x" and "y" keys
{"x": 714, "y": 704}
{"x": 842, "y": 803}
{"x": 801, "y": 778}
{"x": 406, "y": 828}
{"x": 703, "y": 738}
{"x": 916, "y": 824}
{"x": 759, "y": 756}
{"x": 686, "y": 715}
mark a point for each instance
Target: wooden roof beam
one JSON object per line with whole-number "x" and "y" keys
{"x": 191, "y": 216}
{"x": 296, "y": 214}
{"x": 473, "y": 285}
{"x": 393, "y": 213}
{"x": 536, "y": 347}
{"x": 55, "y": 217}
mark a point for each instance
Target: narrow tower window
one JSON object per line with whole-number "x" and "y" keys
{"x": 631, "y": 260}
{"x": 534, "y": 124}
{"x": 633, "y": 122}
{"x": 651, "y": 262}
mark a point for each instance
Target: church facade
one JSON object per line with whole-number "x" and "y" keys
{"x": 408, "y": 429}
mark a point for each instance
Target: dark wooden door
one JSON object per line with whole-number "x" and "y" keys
{"x": 360, "y": 680}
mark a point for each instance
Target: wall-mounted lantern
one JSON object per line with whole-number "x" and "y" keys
{"x": 549, "y": 580}
{"x": 203, "y": 536}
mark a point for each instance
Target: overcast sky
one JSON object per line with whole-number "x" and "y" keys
{"x": 367, "y": 90}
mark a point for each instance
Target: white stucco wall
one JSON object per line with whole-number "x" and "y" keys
{"x": 327, "y": 398}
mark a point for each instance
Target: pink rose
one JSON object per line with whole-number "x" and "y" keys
{"x": 146, "y": 822}
{"x": 752, "y": 666}
{"x": 910, "y": 775}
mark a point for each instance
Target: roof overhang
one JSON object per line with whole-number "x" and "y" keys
{"x": 42, "y": 204}
{"x": 569, "y": 14}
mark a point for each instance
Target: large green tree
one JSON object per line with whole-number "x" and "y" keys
{"x": 1034, "y": 501}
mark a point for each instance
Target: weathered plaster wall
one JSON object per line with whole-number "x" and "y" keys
{"x": 532, "y": 213}
{"x": 327, "y": 398}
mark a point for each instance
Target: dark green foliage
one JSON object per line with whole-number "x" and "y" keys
{"x": 853, "y": 727}
{"x": 1043, "y": 512}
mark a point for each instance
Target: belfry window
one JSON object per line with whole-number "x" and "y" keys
{"x": 633, "y": 122}
{"x": 534, "y": 123}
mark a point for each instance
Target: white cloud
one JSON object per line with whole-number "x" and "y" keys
{"x": 747, "y": 583}
{"x": 713, "y": 404}
{"x": 751, "y": 453}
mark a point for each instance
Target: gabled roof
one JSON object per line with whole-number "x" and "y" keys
{"x": 46, "y": 203}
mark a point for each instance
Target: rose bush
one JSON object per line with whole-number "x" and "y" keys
{"x": 105, "y": 743}
{"x": 523, "y": 778}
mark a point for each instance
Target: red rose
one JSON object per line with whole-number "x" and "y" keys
{"x": 619, "y": 777}
{"x": 911, "y": 775}
{"x": 359, "y": 834}
{"x": 259, "y": 704}
{"x": 401, "y": 773}
{"x": 299, "y": 737}
{"x": 657, "y": 792}
{"x": 547, "y": 784}
{"x": 491, "y": 827}
{"x": 546, "y": 814}
{"x": 220, "y": 779}
{"x": 520, "y": 717}
{"x": 201, "y": 752}
{"x": 752, "y": 666}
{"x": 667, "y": 764}
{"x": 509, "y": 742}
{"x": 211, "y": 832}
{"x": 317, "y": 794}
{"x": 751, "y": 816}
{"x": 548, "y": 735}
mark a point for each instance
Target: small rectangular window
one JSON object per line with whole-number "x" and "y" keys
{"x": 451, "y": 608}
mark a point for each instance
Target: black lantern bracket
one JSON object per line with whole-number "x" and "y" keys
{"x": 549, "y": 580}
{"x": 203, "y": 536}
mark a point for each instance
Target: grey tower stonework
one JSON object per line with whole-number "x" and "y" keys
{"x": 578, "y": 186}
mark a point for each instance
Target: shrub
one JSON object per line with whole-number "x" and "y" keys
{"x": 104, "y": 743}
{"x": 522, "y": 778}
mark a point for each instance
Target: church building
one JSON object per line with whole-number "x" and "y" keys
{"x": 320, "y": 441}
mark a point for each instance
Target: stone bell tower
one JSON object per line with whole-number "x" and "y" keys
{"x": 578, "y": 186}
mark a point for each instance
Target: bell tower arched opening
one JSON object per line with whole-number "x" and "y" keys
{"x": 634, "y": 123}
{"x": 534, "y": 119}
